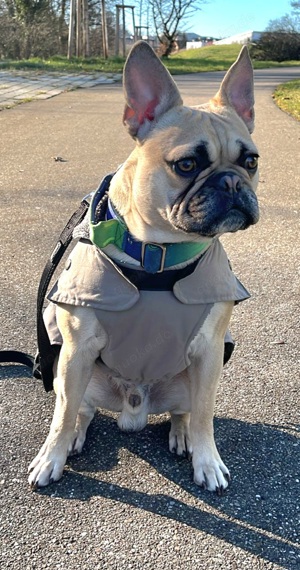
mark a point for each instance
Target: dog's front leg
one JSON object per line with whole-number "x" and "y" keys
{"x": 209, "y": 470}
{"x": 83, "y": 340}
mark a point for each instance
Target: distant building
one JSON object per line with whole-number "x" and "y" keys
{"x": 244, "y": 38}
{"x": 191, "y": 37}
{"x": 194, "y": 41}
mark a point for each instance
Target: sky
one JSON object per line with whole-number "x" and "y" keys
{"x": 223, "y": 18}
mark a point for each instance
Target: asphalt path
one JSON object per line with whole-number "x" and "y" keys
{"x": 126, "y": 502}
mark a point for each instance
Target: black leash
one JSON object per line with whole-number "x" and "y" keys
{"x": 7, "y": 356}
{"x": 41, "y": 366}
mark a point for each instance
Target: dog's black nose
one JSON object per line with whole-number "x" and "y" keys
{"x": 230, "y": 181}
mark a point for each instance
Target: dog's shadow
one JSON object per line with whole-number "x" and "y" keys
{"x": 259, "y": 511}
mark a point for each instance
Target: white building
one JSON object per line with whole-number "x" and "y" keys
{"x": 200, "y": 43}
{"x": 243, "y": 38}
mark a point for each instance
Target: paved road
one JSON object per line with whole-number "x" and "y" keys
{"x": 23, "y": 86}
{"x": 126, "y": 503}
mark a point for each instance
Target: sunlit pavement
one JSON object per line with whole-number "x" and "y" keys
{"x": 22, "y": 86}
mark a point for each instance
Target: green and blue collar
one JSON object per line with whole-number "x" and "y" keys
{"x": 110, "y": 228}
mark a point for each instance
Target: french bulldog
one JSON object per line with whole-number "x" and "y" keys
{"x": 143, "y": 305}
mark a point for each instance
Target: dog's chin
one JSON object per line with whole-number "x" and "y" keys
{"x": 208, "y": 226}
{"x": 235, "y": 221}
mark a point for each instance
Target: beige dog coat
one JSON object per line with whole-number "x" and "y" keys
{"x": 149, "y": 332}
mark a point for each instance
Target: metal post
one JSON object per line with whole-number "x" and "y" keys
{"x": 124, "y": 38}
{"x": 71, "y": 29}
{"x": 104, "y": 30}
{"x": 117, "y": 46}
{"x": 85, "y": 30}
{"x": 133, "y": 23}
{"x": 78, "y": 29}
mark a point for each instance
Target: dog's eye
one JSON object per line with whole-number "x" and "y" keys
{"x": 186, "y": 166}
{"x": 251, "y": 163}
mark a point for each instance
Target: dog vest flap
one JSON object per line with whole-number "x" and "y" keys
{"x": 212, "y": 280}
{"x": 90, "y": 279}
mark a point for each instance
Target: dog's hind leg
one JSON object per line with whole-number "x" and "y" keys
{"x": 84, "y": 418}
{"x": 179, "y": 436}
{"x": 83, "y": 339}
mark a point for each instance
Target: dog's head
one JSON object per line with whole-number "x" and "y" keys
{"x": 193, "y": 173}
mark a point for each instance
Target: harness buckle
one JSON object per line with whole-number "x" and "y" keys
{"x": 150, "y": 262}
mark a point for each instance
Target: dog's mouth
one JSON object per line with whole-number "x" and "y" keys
{"x": 215, "y": 208}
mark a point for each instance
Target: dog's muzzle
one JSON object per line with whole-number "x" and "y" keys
{"x": 224, "y": 203}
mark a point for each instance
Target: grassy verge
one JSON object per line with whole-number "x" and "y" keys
{"x": 214, "y": 58}
{"x": 63, "y": 64}
{"x": 210, "y": 58}
{"x": 287, "y": 97}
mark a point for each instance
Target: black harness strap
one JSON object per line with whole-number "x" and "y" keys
{"x": 164, "y": 281}
{"x": 42, "y": 365}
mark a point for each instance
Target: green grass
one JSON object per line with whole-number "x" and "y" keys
{"x": 214, "y": 58}
{"x": 63, "y": 64}
{"x": 210, "y": 58}
{"x": 287, "y": 97}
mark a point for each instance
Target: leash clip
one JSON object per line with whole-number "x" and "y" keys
{"x": 88, "y": 197}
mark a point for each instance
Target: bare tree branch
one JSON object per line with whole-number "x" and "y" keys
{"x": 167, "y": 15}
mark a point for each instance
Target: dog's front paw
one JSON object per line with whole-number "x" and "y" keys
{"x": 47, "y": 467}
{"x": 210, "y": 472}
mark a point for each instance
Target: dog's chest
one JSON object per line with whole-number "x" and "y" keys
{"x": 150, "y": 341}
{"x": 149, "y": 332}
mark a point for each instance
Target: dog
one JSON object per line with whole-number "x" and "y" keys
{"x": 143, "y": 305}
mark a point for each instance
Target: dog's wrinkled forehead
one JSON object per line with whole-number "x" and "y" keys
{"x": 190, "y": 131}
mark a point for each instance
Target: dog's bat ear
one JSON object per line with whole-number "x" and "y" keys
{"x": 149, "y": 90}
{"x": 237, "y": 89}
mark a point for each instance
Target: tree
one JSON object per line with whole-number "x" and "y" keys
{"x": 288, "y": 22}
{"x": 277, "y": 46}
{"x": 32, "y": 28}
{"x": 39, "y": 28}
{"x": 167, "y": 15}
{"x": 281, "y": 40}
{"x": 295, "y": 5}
